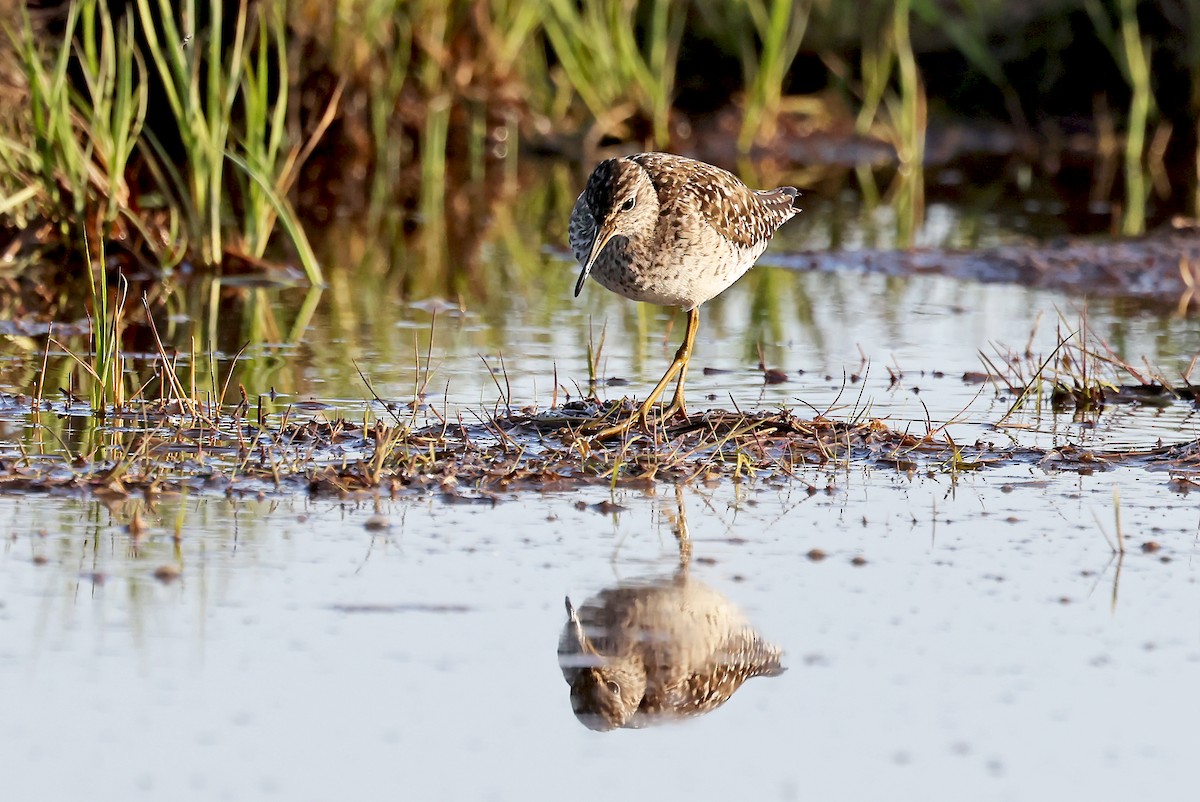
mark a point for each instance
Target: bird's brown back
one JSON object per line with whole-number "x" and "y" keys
{"x": 745, "y": 217}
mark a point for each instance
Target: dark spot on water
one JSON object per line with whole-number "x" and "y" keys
{"x": 167, "y": 573}
{"x": 377, "y": 523}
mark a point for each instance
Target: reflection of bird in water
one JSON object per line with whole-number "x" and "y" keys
{"x": 657, "y": 650}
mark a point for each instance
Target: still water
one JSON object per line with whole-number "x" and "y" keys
{"x": 966, "y": 635}
{"x": 989, "y": 646}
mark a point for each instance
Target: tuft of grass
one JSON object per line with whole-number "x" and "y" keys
{"x": 611, "y": 72}
{"x": 73, "y": 163}
{"x": 894, "y": 108}
{"x": 200, "y": 78}
{"x": 104, "y": 362}
{"x": 1079, "y": 374}
{"x": 80, "y": 139}
{"x": 108, "y": 323}
{"x": 968, "y": 27}
{"x": 766, "y": 36}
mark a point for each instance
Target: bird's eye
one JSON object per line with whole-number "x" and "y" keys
{"x": 614, "y": 688}
{"x": 628, "y": 204}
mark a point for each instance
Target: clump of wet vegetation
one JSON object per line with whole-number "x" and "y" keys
{"x": 164, "y": 164}
{"x": 168, "y": 448}
{"x": 168, "y": 437}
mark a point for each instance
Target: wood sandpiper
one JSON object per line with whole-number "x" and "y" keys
{"x": 673, "y": 231}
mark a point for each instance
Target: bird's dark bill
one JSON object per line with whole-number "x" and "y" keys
{"x": 583, "y": 275}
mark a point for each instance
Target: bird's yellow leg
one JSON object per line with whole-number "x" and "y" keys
{"x": 685, "y": 354}
{"x": 642, "y": 411}
{"x": 678, "y": 365}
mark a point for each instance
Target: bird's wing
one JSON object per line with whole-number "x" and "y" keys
{"x": 739, "y": 214}
{"x": 741, "y": 656}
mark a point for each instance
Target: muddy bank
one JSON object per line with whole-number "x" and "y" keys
{"x": 1161, "y": 267}
{"x": 166, "y": 448}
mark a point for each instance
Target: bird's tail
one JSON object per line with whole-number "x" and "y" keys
{"x": 782, "y": 200}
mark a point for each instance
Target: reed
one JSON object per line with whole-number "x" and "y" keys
{"x": 612, "y": 73}
{"x": 968, "y": 25}
{"x": 104, "y": 362}
{"x": 80, "y": 137}
{"x": 780, "y": 29}
{"x": 229, "y": 106}
{"x": 1131, "y": 51}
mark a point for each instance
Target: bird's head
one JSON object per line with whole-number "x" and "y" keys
{"x": 622, "y": 202}
{"x": 605, "y": 697}
{"x": 605, "y": 691}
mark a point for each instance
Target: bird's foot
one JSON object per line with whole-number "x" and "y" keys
{"x": 615, "y": 431}
{"x": 603, "y": 428}
{"x": 600, "y": 432}
{"x": 676, "y": 408}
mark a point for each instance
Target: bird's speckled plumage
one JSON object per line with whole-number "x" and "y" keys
{"x": 656, "y": 650}
{"x": 680, "y": 231}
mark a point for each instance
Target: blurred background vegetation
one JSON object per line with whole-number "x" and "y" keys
{"x": 202, "y": 131}
{"x": 280, "y": 140}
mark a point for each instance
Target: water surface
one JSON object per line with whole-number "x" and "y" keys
{"x": 986, "y": 642}
{"x": 990, "y": 644}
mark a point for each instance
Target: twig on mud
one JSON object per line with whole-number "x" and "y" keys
{"x": 367, "y": 382}
{"x": 229, "y": 375}
{"x": 37, "y": 399}
{"x": 495, "y": 380}
{"x": 428, "y": 357}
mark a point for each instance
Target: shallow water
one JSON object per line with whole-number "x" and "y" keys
{"x": 990, "y": 646}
